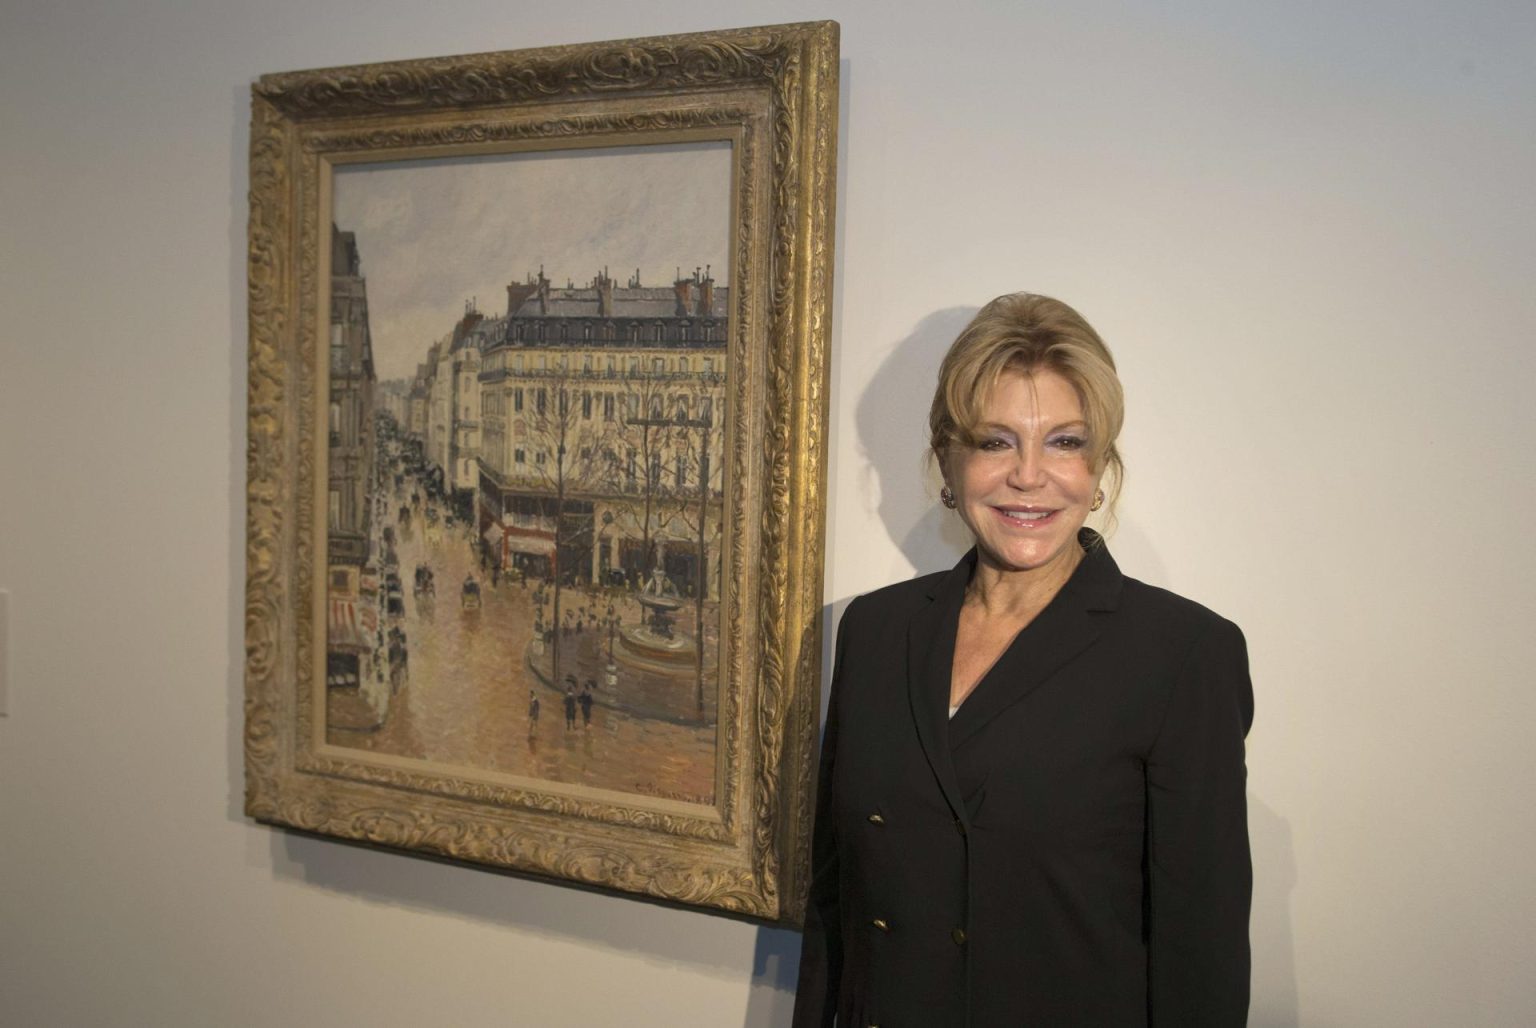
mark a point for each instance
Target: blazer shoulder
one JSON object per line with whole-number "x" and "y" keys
{"x": 1169, "y": 611}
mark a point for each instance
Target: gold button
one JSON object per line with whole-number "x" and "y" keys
{"x": 881, "y": 924}
{"x": 959, "y": 936}
{"x": 876, "y": 819}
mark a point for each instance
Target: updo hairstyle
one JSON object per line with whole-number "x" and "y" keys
{"x": 1024, "y": 333}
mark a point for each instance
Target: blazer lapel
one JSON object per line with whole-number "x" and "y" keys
{"x": 1069, "y": 624}
{"x": 930, "y": 662}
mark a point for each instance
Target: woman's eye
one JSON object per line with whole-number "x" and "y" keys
{"x": 992, "y": 444}
{"x": 1069, "y": 442}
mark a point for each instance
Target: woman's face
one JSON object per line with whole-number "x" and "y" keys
{"x": 1024, "y": 488}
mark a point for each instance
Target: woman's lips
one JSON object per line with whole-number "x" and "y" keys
{"x": 1026, "y": 517}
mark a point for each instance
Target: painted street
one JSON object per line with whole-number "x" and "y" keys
{"x": 465, "y": 692}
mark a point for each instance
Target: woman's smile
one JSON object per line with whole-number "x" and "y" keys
{"x": 1026, "y": 517}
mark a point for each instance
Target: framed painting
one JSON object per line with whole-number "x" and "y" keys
{"x": 537, "y": 410}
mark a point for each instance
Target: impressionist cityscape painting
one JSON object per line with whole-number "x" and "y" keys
{"x": 537, "y": 394}
{"x": 528, "y": 365}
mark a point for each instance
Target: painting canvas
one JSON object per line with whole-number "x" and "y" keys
{"x": 525, "y": 499}
{"x": 535, "y": 472}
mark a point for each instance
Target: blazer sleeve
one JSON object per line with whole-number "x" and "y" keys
{"x": 1200, "y": 877}
{"x": 821, "y": 951}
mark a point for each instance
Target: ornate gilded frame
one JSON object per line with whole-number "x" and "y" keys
{"x": 773, "y": 91}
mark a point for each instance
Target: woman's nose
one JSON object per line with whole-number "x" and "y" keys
{"x": 1028, "y": 472}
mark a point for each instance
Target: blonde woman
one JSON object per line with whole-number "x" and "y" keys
{"x": 1032, "y": 806}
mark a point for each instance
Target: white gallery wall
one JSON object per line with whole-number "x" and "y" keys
{"x": 1308, "y": 231}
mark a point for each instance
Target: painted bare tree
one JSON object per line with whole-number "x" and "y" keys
{"x": 571, "y": 446}
{"x": 650, "y": 430}
{"x": 699, "y": 491}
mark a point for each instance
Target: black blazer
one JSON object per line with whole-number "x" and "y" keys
{"x": 1070, "y": 849}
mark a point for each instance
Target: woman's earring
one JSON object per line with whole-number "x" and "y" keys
{"x": 947, "y": 498}
{"x": 1098, "y": 500}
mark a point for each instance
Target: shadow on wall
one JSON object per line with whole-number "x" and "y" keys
{"x": 892, "y": 419}
{"x": 1274, "y": 1003}
{"x": 775, "y": 967}
{"x": 667, "y": 935}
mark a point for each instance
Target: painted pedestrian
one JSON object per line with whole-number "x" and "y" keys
{"x": 533, "y": 712}
{"x": 570, "y": 707}
{"x": 586, "y": 706}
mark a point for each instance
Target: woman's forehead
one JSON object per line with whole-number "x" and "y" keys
{"x": 1041, "y": 395}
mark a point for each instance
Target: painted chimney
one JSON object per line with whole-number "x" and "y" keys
{"x": 706, "y": 294}
{"x": 682, "y": 288}
{"x": 604, "y": 286}
{"x": 517, "y": 292}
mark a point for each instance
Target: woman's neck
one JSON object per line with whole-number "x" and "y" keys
{"x": 1009, "y": 593}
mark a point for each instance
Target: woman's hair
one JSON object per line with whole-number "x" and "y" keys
{"x": 1027, "y": 334}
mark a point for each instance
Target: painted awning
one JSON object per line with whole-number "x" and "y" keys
{"x": 523, "y": 541}
{"x": 345, "y": 630}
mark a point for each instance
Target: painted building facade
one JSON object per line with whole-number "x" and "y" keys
{"x": 352, "y": 581}
{"x": 601, "y": 429}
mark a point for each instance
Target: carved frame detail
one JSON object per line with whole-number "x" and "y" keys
{"x": 773, "y": 92}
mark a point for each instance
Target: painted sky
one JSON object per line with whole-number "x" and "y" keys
{"x": 435, "y": 234}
